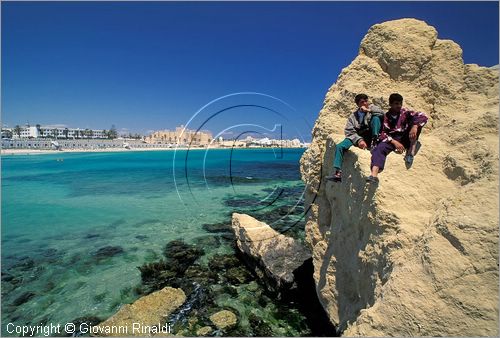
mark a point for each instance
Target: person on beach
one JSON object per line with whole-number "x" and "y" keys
{"x": 400, "y": 131}
{"x": 362, "y": 130}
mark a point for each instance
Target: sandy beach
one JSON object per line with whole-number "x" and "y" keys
{"x": 48, "y": 151}
{"x": 5, "y": 152}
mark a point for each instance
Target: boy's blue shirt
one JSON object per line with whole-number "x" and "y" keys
{"x": 361, "y": 116}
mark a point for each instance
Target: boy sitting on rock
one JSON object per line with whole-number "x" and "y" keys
{"x": 362, "y": 130}
{"x": 400, "y": 132}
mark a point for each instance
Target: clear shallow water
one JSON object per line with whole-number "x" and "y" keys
{"x": 58, "y": 210}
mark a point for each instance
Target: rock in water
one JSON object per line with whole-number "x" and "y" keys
{"x": 419, "y": 254}
{"x": 204, "y": 331}
{"x": 224, "y": 319}
{"x": 278, "y": 255}
{"x": 108, "y": 251}
{"x": 148, "y": 311}
{"x": 23, "y": 298}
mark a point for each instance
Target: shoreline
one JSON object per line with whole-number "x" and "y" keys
{"x": 18, "y": 152}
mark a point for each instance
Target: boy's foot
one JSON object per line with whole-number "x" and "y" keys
{"x": 337, "y": 177}
{"x": 409, "y": 159}
{"x": 372, "y": 179}
{"x": 373, "y": 143}
{"x": 417, "y": 147}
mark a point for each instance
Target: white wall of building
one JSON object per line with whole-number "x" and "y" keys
{"x": 60, "y": 133}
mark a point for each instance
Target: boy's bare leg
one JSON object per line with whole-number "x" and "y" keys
{"x": 373, "y": 177}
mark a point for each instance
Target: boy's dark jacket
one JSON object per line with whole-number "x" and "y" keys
{"x": 355, "y": 131}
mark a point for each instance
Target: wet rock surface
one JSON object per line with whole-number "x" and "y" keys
{"x": 224, "y": 319}
{"x": 223, "y": 282}
{"x": 148, "y": 310}
{"x": 273, "y": 255}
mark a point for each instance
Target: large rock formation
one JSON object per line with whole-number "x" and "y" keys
{"x": 275, "y": 256}
{"x": 419, "y": 254}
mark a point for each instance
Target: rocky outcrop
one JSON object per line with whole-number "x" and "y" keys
{"x": 419, "y": 254}
{"x": 224, "y": 319}
{"x": 276, "y": 256}
{"x": 204, "y": 331}
{"x": 147, "y": 311}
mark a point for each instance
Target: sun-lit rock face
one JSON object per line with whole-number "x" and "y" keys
{"x": 419, "y": 254}
{"x": 277, "y": 256}
{"x": 148, "y": 311}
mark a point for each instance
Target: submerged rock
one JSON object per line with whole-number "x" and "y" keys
{"x": 156, "y": 275}
{"x": 23, "y": 298}
{"x": 108, "y": 251}
{"x": 180, "y": 258}
{"x": 259, "y": 327}
{"x": 244, "y": 202}
{"x": 275, "y": 255}
{"x": 208, "y": 242}
{"x": 50, "y": 253}
{"x": 238, "y": 275}
{"x": 6, "y": 277}
{"x": 200, "y": 274}
{"x": 220, "y": 262}
{"x": 24, "y": 263}
{"x": 148, "y": 310}
{"x": 181, "y": 255}
{"x": 153, "y": 269}
{"x": 217, "y": 227}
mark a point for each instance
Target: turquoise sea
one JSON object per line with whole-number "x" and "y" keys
{"x": 76, "y": 226}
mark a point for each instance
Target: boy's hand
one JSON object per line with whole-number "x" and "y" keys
{"x": 413, "y": 133}
{"x": 399, "y": 147}
{"x": 364, "y": 109}
{"x": 362, "y": 144}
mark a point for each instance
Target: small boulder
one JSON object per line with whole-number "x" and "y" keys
{"x": 274, "y": 255}
{"x": 148, "y": 310}
{"x": 204, "y": 331}
{"x": 224, "y": 319}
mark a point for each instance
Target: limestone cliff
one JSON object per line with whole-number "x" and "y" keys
{"x": 419, "y": 254}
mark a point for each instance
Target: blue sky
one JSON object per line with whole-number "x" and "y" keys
{"x": 148, "y": 66}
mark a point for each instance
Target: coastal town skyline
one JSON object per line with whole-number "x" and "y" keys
{"x": 30, "y": 131}
{"x": 177, "y": 57}
{"x": 39, "y": 138}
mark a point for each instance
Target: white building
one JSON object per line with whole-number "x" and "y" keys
{"x": 34, "y": 132}
{"x": 27, "y": 132}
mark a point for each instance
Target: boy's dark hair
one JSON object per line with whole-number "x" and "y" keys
{"x": 360, "y": 97}
{"x": 395, "y": 97}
